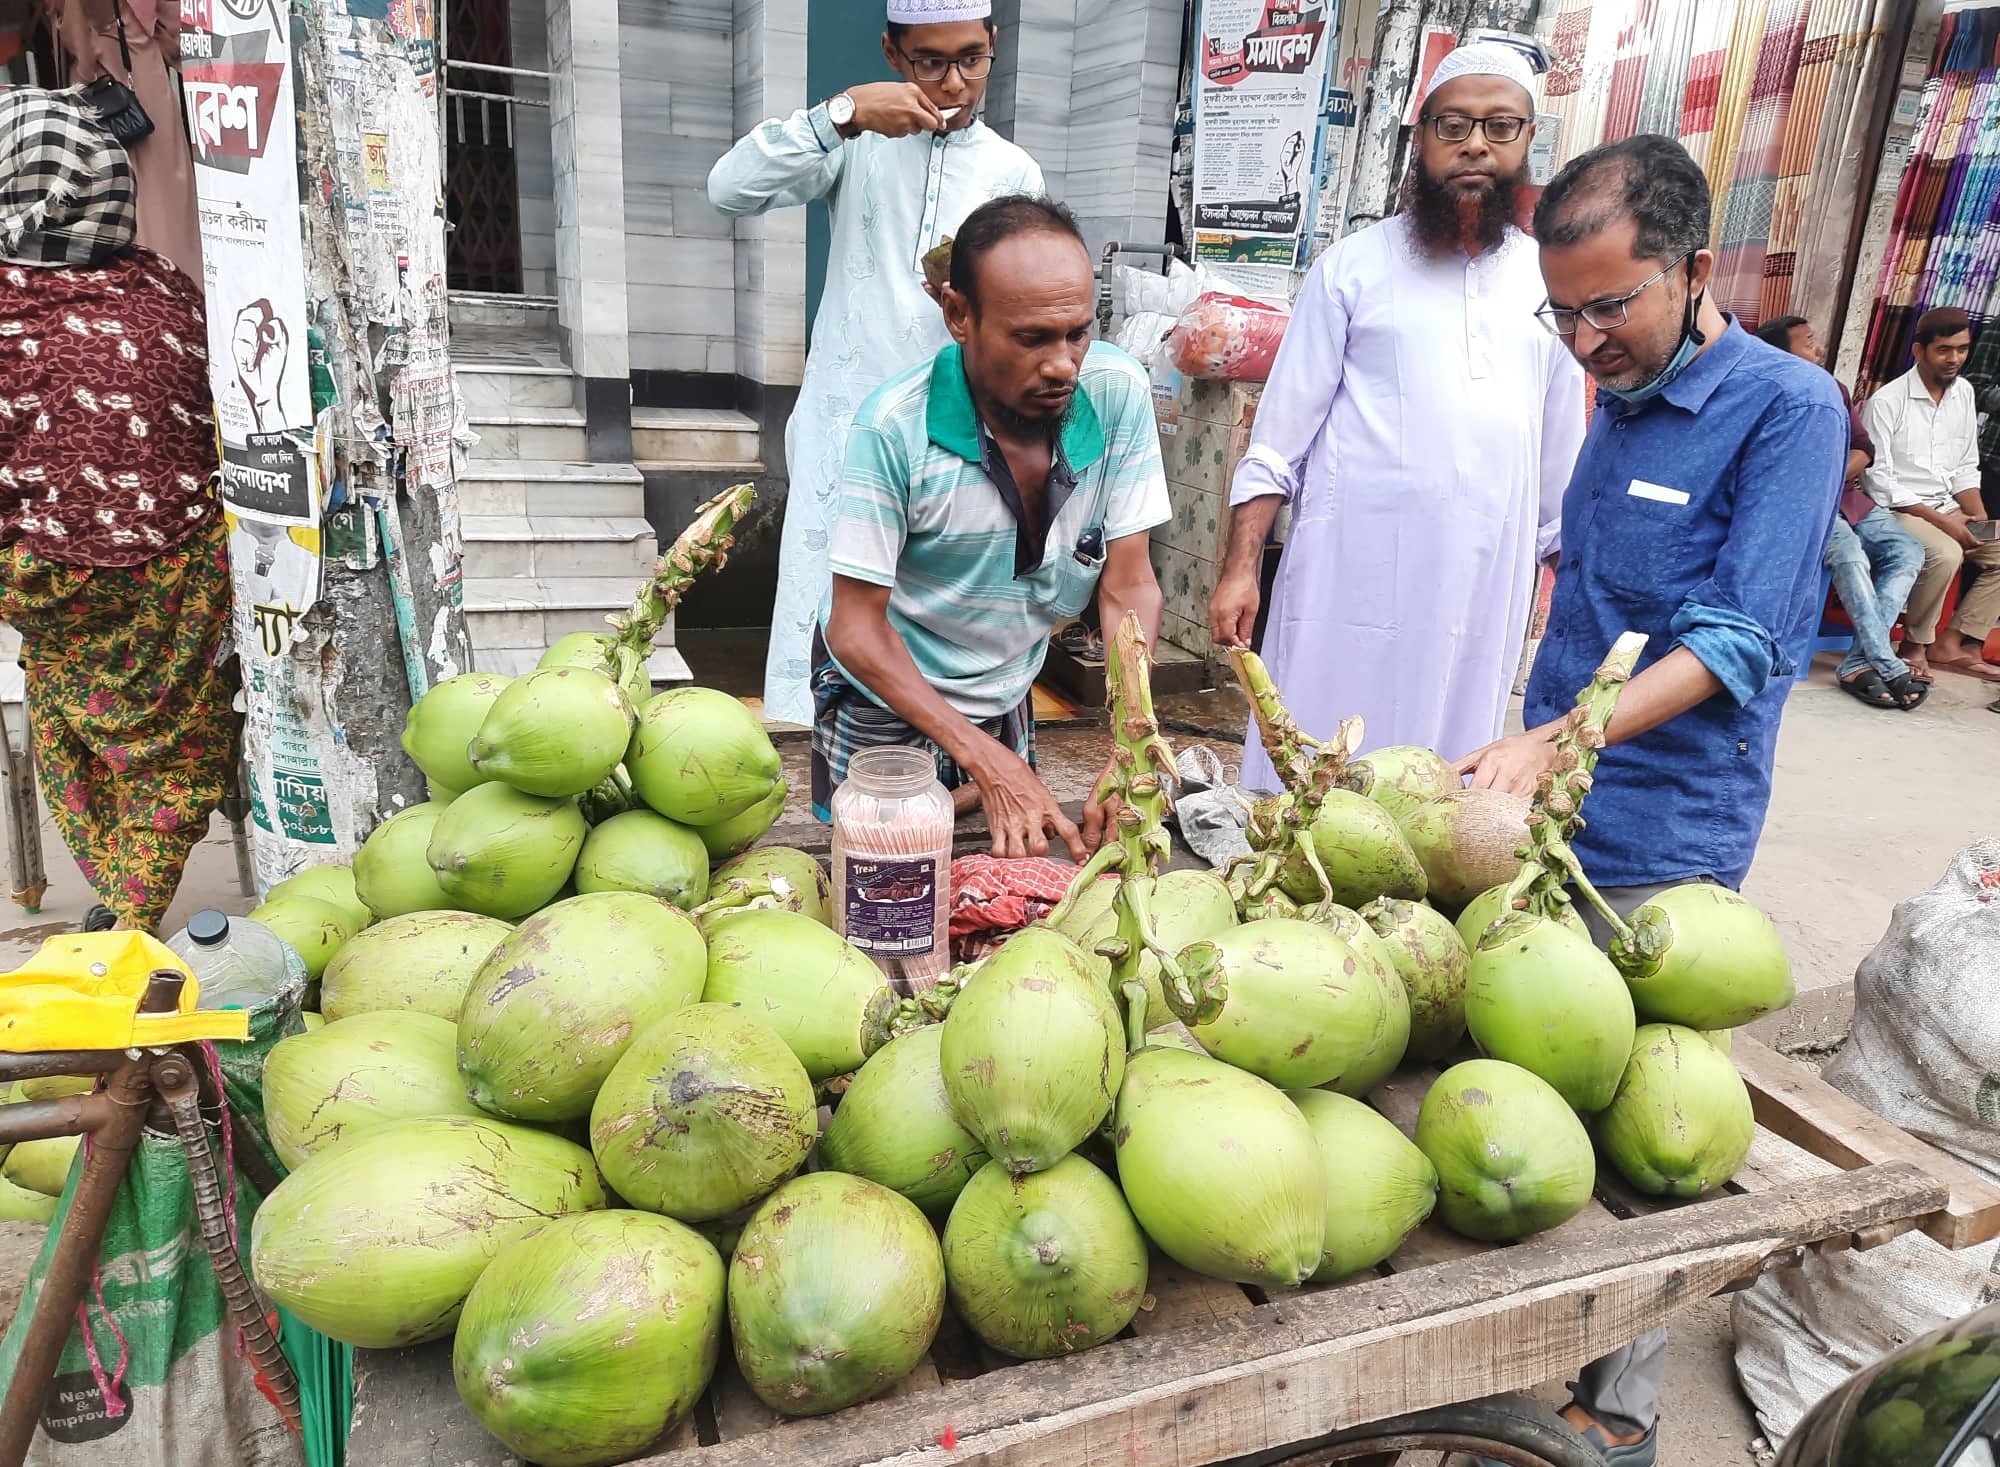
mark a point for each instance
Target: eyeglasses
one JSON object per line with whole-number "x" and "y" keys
{"x": 1605, "y": 315}
{"x": 1455, "y": 127}
{"x": 933, "y": 68}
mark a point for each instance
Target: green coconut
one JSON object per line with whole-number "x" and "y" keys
{"x": 1431, "y": 959}
{"x": 1221, "y": 1170}
{"x": 1301, "y": 1006}
{"x": 421, "y": 961}
{"x": 593, "y": 650}
{"x": 556, "y": 733}
{"x": 894, "y": 1125}
{"x": 1511, "y": 1156}
{"x": 1174, "y": 1036}
{"x": 556, "y": 1004}
{"x": 1186, "y": 906}
{"x": 442, "y": 724}
{"x": 699, "y": 756}
{"x": 823, "y": 997}
{"x": 440, "y": 795}
{"x": 835, "y": 1293}
{"x": 1044, "y": 1265}
{"x": 1541, "y": 997}
{"x": 1491, "y": 905}
{"x": 707, "y": 1111}
{"x": 315, "y": 929}
{"x": 1362, "y": 851}
{"x": 1400, "y": 777}
{"x": 391, "y": 875}
{"x": 1033, "y": 1050}
{"x": 772, "y": 877}
{"x": 41, "y": 1166}
{"x": 1681, "y": 1122}
{"x": 18, "y": 1204}
{"x": 1387, "y": 1053}
{"x": 1469, "y": 841}
{"x": 641, "y": 851}
{"x": 1702, "y": 956}
{"x": 588, "y": 1339}
{"x": 356, "y": 1076}
{"x": 333, "y": 885}
{"x": 376, "y": 1242}
{"x": 1380, "y": 1187}
{"x": 505, "y": 853}
{"x": 313, "y": 1022}
{"x": 739, "y": 833}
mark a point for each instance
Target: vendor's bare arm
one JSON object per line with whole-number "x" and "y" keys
{"x": 1232, "y": 611}
{"x": 1020, "y": 811}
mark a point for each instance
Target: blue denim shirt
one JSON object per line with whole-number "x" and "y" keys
{"x": 1699, "y": 518}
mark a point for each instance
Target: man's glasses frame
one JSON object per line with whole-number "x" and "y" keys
{"x": 933, "y": 68}
{"x": 1605, "y": 315}
{"x": 1456, "y": 127}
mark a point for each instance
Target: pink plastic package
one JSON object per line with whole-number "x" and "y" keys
{"x": 1229, "y": 338}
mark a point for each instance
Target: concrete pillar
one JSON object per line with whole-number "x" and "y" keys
{"x": 586, "y": 130}
{"x": 1124, "y": 68}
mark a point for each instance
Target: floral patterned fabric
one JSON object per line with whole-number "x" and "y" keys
{"x": 107, "y": 429}
{"x": 133, "y": 723}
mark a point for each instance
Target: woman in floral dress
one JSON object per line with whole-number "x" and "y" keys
{"x": 113, "y": 554}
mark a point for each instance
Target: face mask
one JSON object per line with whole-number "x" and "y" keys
{"x": 1692, "y": 341}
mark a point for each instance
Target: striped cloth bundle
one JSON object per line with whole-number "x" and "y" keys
{"x": 1707, "y": 57}
{"x": 1665, "y": 96}
{"x": 1631, "y": 54}
{"x": 1744, "y": 227}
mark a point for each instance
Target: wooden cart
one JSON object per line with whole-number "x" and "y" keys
{"x": 1410, "y": 1357}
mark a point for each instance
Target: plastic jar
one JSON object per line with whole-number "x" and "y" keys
{"x": 892, "y": 830}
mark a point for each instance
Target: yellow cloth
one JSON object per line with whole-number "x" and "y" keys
{"x": 83, "y": 991}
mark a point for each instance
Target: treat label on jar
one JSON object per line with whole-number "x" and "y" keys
{"x": 891, "y": 905}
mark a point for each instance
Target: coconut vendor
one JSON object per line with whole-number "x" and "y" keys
{"x": 1697, "y": 515}
{"x": 1422, "y": 427}
{"x": 899, "y": 165}
{"x": 113, "y": 557}
{"x": 990, "y": 494}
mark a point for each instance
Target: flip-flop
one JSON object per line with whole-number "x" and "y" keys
{"x": 1867, "y": 686}
{"x": 1909, "y": 693}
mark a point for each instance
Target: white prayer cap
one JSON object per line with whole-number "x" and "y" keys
{"x": 938, "y": 12}
{"x": 1485, "y": 58}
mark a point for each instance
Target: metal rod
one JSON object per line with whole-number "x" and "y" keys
{"x": 59, "y": 1062}
{"x": 42, "y": 1120}
{"x": 457, "y": 65}
{"x": 73, "y": 1259}
{"x": 495, "y": 97}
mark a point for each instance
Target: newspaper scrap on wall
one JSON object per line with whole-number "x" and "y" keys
{"x": 1260, "y": 89}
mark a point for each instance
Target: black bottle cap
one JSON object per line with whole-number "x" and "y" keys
{"x": 208, "y": 927}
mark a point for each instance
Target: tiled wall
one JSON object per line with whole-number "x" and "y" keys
{"x": 584, "y": 111}
{"x": 1201, "y": 456}
{"x": 533, "y": 170}
{"x": 768, "y": 69}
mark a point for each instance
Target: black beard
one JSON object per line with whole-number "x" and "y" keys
{"x": 1020, "y": 425}
{"x": 1440, "y": 228}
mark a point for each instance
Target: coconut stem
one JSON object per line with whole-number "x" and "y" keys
{"x": 1142, "y": 763}
{"x": 1135, "y": 1015}
{"x": 702, "y": 546}
{"x": 1290, "y": 748}
{"x": 1107, "y": 858}
{"x": 926, "y": 1008}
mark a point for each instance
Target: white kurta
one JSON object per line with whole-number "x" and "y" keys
{"x": 1423, "y": 425}
{"x": 892, "y": 201}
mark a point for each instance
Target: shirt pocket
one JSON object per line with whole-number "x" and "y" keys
{"x": 1076, "y": 576}
{"x": 1645, "y": 549}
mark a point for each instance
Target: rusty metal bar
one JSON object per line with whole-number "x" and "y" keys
{"x": 67, "y": 1115}
{"x": 74, "y": 1257}
{"x": 59, "y": 1062}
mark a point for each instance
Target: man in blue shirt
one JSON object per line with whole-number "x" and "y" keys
{"x": 1697, "y": 514}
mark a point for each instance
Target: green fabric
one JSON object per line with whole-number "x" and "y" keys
{"x": 953, "y": 423}
{"x": 326, "y": 1389}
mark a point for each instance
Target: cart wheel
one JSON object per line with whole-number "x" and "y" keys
{"x": 1509, "y": 1429}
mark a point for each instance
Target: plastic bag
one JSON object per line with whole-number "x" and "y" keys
{"x": 1228, "y": 338}
{"x": 1924, "y": 1053}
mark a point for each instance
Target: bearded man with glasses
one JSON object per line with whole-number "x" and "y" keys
{"x": 899, "y": 165}
{"x": 1422, "y": 427}
{"x": 1698, "y": 514}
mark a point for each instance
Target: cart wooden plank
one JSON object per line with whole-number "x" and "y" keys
{"x": 1804, "y": 1110}
{"x": 1295, "y": 1369}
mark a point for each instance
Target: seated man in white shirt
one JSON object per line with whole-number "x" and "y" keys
{"x": 1925, "y": 425}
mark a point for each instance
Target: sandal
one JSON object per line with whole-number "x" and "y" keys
{"x": 1867, "y": 685}
{"x": 1909, "y": 693}
{"x": 99, "y": 918}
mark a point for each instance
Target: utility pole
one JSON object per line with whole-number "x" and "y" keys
{"x": 317, "y": 143}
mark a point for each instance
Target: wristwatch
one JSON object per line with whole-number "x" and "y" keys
{"x": 840, "y": 111}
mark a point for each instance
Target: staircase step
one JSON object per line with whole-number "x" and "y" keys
{"x": 666, "y": 666}
{"x": 558, "y": 546}
{"x": 695, "y": 435}
{"x": 539, "y": 433}
{"x": 533, "y": 612}
{"x": 540, "y": 488}
{"x": 489, "y": 385}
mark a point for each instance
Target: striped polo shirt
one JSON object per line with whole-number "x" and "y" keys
{"x": 919, "y": 514}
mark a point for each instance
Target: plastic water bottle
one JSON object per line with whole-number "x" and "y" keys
{"x": 239, "y": 963}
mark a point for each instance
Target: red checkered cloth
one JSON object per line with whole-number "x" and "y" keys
{"x": 991, "y": 899}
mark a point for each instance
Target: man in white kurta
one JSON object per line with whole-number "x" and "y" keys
{"x": 1422, "y": 426}
{"x": 900, "y": 165}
